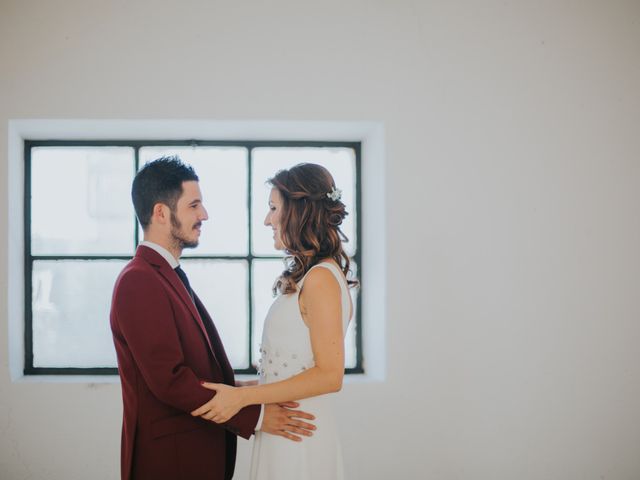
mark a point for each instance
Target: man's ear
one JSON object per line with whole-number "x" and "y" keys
{"x": 161, "y": 214}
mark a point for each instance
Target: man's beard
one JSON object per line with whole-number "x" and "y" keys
{"x": 177, "y": 237}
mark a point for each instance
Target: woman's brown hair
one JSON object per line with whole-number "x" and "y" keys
{"x": 310, "y": 223}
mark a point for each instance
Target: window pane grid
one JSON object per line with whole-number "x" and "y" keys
{"x": 249, "y": 258}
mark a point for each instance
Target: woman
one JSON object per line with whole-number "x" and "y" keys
{"x": 302, "y": 351}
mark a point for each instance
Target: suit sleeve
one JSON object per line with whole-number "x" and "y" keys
{"x": 244, "y": 422}
{"x": 145, "y": 318}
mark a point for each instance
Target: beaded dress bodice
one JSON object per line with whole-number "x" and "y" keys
{"x": 286, "y": 346}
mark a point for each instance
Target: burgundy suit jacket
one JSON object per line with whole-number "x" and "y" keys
{"x": 164, "y": 349}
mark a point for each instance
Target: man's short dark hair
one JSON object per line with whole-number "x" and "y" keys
{"x": 159, "y": 181}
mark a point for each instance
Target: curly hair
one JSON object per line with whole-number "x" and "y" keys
{"x": 309, "y": 224}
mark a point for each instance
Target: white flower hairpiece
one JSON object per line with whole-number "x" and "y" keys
{"x": 335, "y": 194}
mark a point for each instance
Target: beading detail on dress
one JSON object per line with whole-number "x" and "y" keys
{"x": 281, "y": 364}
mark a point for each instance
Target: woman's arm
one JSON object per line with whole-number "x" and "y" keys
{"x": 246, "y": 383}
{"x": 321, "y": 308}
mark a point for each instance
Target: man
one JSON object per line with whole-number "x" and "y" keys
{"x": 167, "y": 345}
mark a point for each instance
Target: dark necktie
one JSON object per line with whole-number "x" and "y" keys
{"x": 208, "y": 326}
{"x": 185, "y": 280}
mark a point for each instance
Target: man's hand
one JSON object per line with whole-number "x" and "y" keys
{"x": 280, "y": 419}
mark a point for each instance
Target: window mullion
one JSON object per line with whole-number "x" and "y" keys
{"x": 249, "y": 252}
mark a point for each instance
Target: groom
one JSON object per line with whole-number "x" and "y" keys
{"x": 167, "y": 345}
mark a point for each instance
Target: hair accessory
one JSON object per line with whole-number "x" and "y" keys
{"x": 335, "y": 194}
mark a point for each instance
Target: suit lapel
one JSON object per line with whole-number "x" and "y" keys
{"x": 172, "y": 277}
{"x": 216, "y": 344}
{"x": 178, "y": 286}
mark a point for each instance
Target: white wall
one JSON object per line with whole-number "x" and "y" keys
{"x": 513, "y": 181}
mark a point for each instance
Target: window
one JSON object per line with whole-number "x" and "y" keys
{"x": 80, "y": 231}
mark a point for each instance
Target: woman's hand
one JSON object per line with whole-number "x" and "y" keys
{"x": 225, "y": 404}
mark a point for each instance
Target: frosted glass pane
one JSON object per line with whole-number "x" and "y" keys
{"x": 350, "y": 359}
{"x": 222, "y": 287}
{"x": 223, "y": 183}
{"x": 267, "y": 161}
{"x": 265, "y": 273}
{"x": 71, "y": 300}
{"x": 81, "y": 200}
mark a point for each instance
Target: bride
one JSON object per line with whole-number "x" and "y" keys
{"x": 302, "y": 351}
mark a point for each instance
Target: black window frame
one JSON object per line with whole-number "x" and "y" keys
{"x": 29, "y": 259}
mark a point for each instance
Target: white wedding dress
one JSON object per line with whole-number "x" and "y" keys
{"x": 286, "y": 351}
